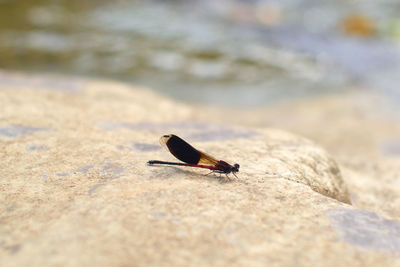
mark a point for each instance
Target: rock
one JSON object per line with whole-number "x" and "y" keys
{"x": 76, "y": 190}
{"x": 359, "y": 128}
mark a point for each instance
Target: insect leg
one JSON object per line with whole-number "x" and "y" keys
{"x": 209, "y": 172}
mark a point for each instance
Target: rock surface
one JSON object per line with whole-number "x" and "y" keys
{"x": 75, "y": 190}
{"x": 360, "y": 129}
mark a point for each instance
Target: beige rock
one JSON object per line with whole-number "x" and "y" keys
{"x": 359, "y": 128}
{"x": 75, "y": 189}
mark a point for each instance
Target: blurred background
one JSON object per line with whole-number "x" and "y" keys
{"x": 328, "y": 70}
{"x": 227, "y": 52}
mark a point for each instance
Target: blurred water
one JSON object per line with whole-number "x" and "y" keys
{"x": 217, "y": 52}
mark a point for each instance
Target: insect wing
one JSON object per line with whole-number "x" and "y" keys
{"x": 180, "y": 149}
{"x": 185, "y": 152}
{"x": 207, "y": 159}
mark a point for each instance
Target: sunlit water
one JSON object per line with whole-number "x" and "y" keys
{"x": 226, "y": 52}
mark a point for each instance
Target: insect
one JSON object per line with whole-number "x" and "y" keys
{"x": 193, "y": 157}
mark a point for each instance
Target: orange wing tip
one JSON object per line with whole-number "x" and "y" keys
{"x": 164, "y": 139}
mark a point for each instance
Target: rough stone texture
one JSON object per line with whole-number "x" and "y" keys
{"x": 360, "y": 129}
{"x": 75, "y": 190}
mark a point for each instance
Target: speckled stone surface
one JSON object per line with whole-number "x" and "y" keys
{"x": 360, "y": 129}
{"x": 75, "y": 189}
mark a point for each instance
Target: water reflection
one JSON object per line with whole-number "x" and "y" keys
{"x": 220, "y": 52}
